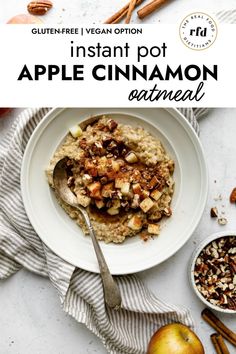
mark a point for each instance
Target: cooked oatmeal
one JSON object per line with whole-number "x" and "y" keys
{"x": 121, "y": 175}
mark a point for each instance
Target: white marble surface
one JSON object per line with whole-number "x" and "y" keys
{"x": 31, "y": 320}
{"x": 93, "y": 12}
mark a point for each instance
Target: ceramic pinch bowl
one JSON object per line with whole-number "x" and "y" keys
{"x": 194, "y": 257}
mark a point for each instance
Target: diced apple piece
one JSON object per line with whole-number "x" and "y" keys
{"x": 96, "y": 195}
{"x": 125, "y": 188}
{"x": 113, "y": 211}
{"x": 167, "y": 211}
{"x": 94, "y": 187}
{"x": 95, "y": 190}
{"x": 156, "y": 194}
{"x": 154, "y": 182}
{"x": 145, "y": 194}
{"x": 102, "y": 166}
{"x": 76, "y": 131}
{"x": 131, "y": 157}
{"x": 135, "y": 223}
{"x": 119, "y": 182}
{"x": 102, "y": 160}
{"x": 115, "y": 166}
{"x": 146, "y": 204}
{"x": 137, "y": 189}
{"x": 83, "y": 200}
{"x": 107, "y": 189}
{"x": 154, "y": 229}
{"x": 89, "y": 165}
{"x": 87, "y": 179}
{"x": 99, "y": 204}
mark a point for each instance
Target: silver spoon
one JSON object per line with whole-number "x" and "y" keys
{"x": 111, "y": 291}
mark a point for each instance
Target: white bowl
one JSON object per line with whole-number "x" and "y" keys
{"x": 193, "y": 259}
{"x": 66, "y": 239}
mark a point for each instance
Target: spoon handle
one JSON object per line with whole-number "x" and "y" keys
{"x": 111, "y": 291}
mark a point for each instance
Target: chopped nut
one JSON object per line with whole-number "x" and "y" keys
{"x": 135, "y": 176}
{"x": 103, "y": 180}
{"x": 214, "y": 212}
{"x": 87, "y": 179}
{"x": 222, "y": 221}
{"x": 83, "y": 144}
{"x": 136, "y": 201}
{"x": 107, "y": 190}
{"x": 214, "y": 253}
{"x": 146, "y": 204}
{"x": 145, "y": 236}
{"x": 232, "y": 197}
{"x": 97, "y": 149}
{"x": 112, "y": 125}
{"x": 218, "y": 198}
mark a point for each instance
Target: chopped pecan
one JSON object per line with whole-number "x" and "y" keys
{"x": 214, "y": 212}
{"x": 232, "y": 197}
{"x": 39, "y": 7}
{"x": 83, "y": 144}
{"x": 112, "y": 125}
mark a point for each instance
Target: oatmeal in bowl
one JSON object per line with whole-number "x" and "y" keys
{"x": 121, "y": 174}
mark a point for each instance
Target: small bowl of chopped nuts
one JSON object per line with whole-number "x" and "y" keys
{"x": 213, "y": 272}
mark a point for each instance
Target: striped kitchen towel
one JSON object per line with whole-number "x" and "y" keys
{"x": 125, "y": 331}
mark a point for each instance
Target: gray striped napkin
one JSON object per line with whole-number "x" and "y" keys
{"x": 227, "y": 16}
{"x": 81, "y": 292}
